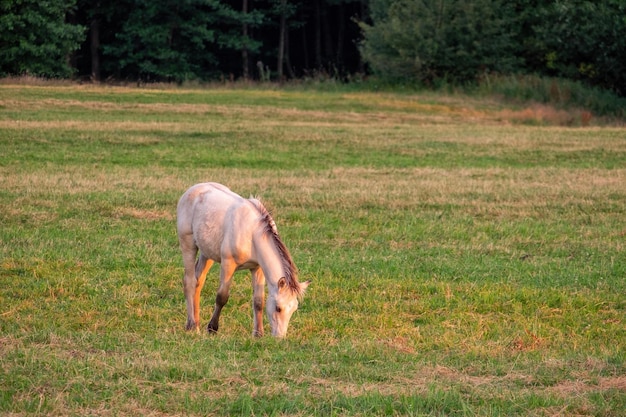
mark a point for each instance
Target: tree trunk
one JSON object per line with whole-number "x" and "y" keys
{"x": 287, "y": 57}
{"x": 281, "y": 41}
{"x": 363, "y": 16}
{"x": 341, "y": 30}
{"x": 94, "y": 38}
{"x": 318, "y": 36}
{"x": 244, "y": 49}
{"x": 305, "y": 48}
{"x": 328, "y": 40}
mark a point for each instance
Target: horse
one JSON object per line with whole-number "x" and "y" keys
{"x": 239, "y": 234}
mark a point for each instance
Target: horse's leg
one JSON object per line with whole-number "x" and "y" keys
{"x": 202, "y": 267}
{"x": 227, "y": 270}
{"x": 258, "y": 301}
{"x": 189, "y": 251}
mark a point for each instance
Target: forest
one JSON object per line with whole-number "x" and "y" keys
{"x": 423, "y": 42}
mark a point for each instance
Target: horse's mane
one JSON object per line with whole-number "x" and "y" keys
{"x": 269, "y": 228}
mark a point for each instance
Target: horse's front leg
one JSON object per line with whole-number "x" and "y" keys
{"x": 258, "y": 301}
{"x": 227, "y": 270}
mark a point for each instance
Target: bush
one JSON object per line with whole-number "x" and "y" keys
{"x": 558, "y": 92}
{"x": 460, "y": 42}
{"x": 431, "y": 40}
{"x": 35, "y": 39}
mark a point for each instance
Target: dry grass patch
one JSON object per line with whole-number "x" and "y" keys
{"x": 368, "y": 107}
{"x": 499, "y": 193}
{"x": 72, "y": 180}
{"x": 96, "y": 126}
{"x": 144, "y": 214}
{"x": 542, "y": 114}
{"x": 506, "y": 191}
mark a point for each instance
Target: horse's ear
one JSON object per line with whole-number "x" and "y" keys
{"x": 304, "y": 285}
{"x": 282, "y": 283}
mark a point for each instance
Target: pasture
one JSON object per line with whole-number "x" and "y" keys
{"x": 466, "y": 257}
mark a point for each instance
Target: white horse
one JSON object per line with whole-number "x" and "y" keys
{"x": 239, "y": 234}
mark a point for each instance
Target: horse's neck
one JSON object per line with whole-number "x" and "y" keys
{"x": 269, "y": 259}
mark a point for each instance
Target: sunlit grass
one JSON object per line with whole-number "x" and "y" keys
{"x": 461, "y": 264}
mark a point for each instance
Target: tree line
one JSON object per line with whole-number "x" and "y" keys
{"x": 408, "y": 41}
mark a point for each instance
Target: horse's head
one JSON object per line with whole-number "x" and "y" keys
{"x": 282, "y": 302}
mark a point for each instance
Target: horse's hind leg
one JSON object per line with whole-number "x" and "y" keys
{"x": 202, "y": 268}
{"x": 189, "y": 251}
{"x": 195, "y": 275}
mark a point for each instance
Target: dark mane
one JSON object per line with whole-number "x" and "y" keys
{"x": 269, "y": 228}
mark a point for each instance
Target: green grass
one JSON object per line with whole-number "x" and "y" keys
{"x": 554, "y": 91}
{"x": 467, "y": 258}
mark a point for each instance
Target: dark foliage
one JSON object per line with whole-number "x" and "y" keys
{"x": 410, "y": 41}
{"x": 36, "y": 38}
{"x": 460, "y": 41}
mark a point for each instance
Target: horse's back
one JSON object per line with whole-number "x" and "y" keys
{"x": 203, "y": 200}
{"x": 199, "y": 191}
{"x": 211, "y": 213}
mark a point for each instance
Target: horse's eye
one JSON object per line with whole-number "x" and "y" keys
{"x": 279, "y": 310}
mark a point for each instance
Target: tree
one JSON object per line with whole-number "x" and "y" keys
{"x": 234, "y": 28}
{"x": 321, "y": 37}
{"x": 97, "y": 17}
{"x": 439, "y": 39}
{"x": 177, "y": 40}
{"x": 285, "y": 11}
{"x": 585, "y": 40}
{"x": 244, "y": 48}
{"x": 162, "y": 41}
{"x": 36, "y": 39}
{"x": 429, "y": 40}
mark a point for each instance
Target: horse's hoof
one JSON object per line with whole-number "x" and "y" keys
{"x": 211, "y": 329}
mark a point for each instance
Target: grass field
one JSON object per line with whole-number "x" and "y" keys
{"x": 467, "y": 257}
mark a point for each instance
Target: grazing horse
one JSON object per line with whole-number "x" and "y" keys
{"x": 239, "y": 234}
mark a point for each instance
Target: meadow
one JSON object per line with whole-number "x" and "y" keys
{"x": 466, "y": 256}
